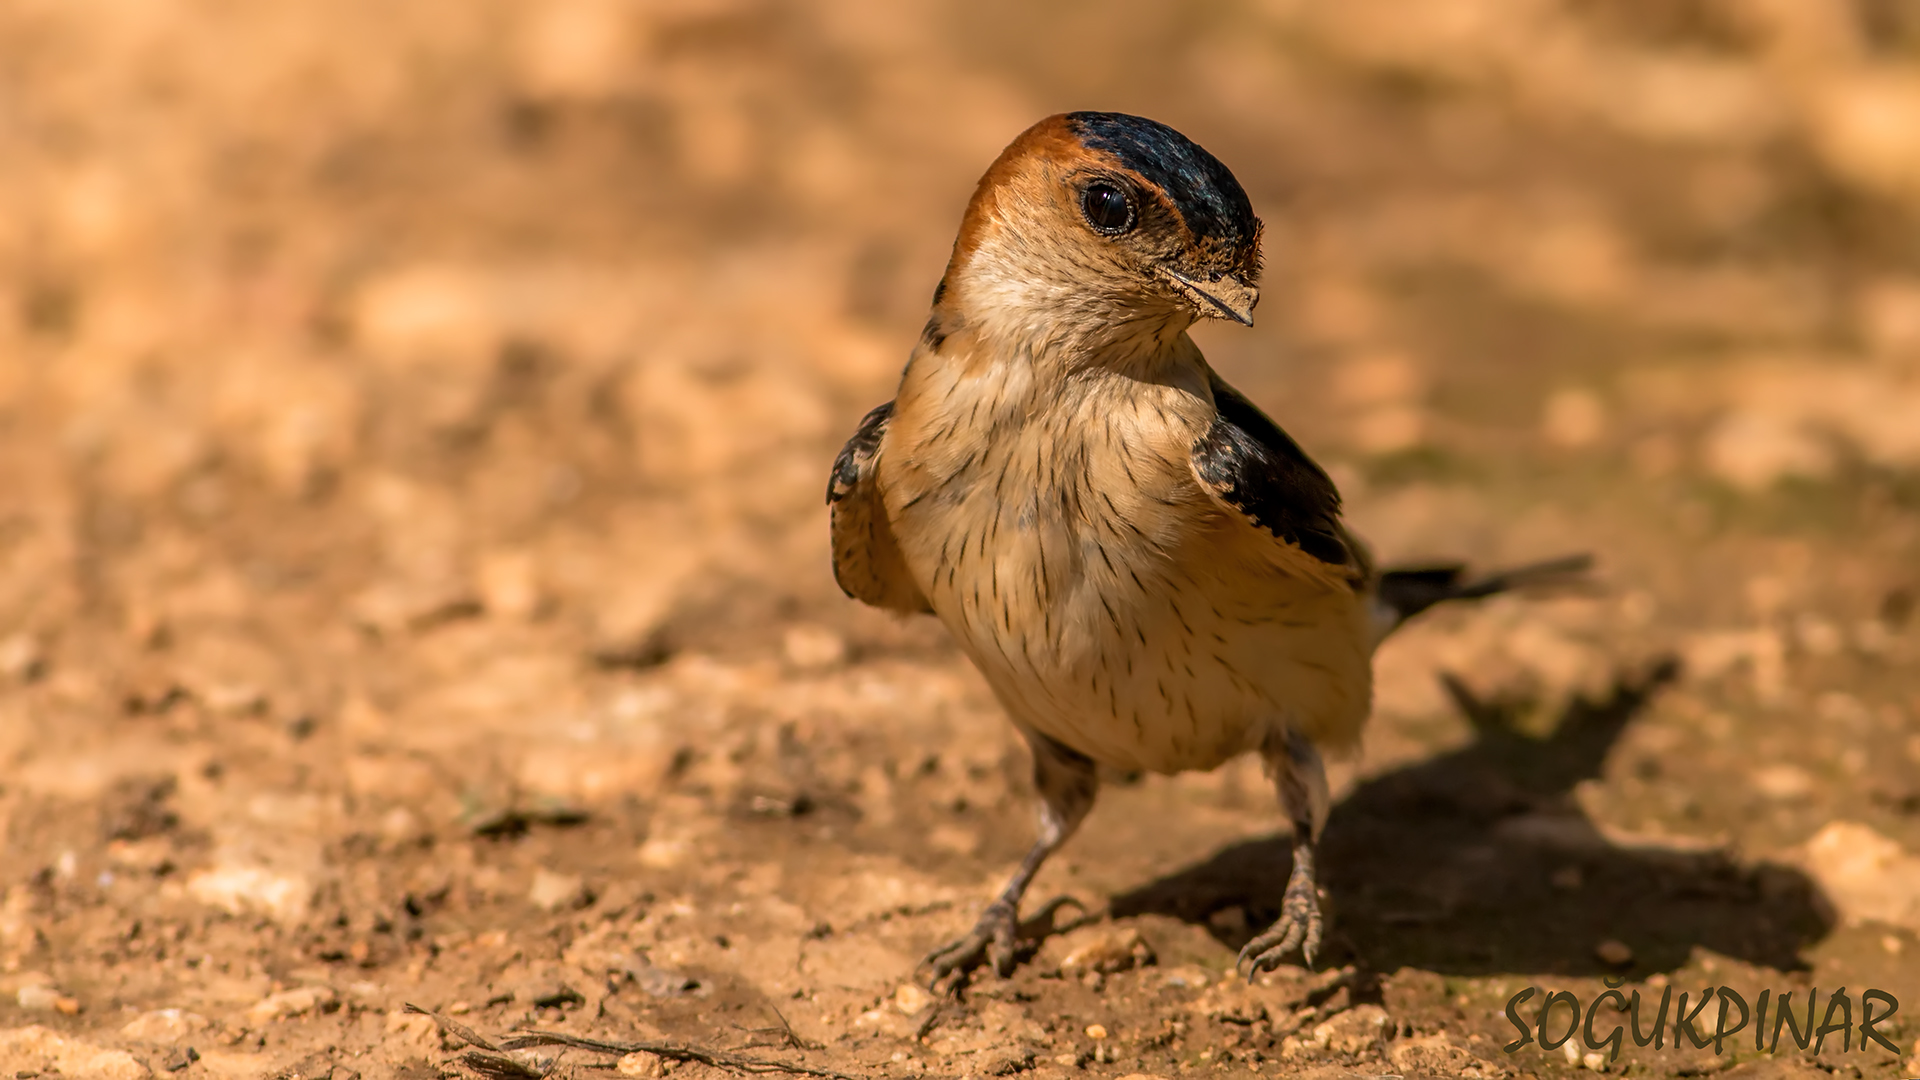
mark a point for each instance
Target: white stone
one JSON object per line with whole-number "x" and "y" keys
{"x": 552, "y": 891}
{"x": 641, "y": 1063}
{"x": 1103, "y": 949}
{"x": 910, "y": 998}
{"x": 295, "y": 1002}
{"x": 38, "y": 997}
{"x": 1867, "y": 876}
{"x": 814, "y": 648}
{"x": 1352, "y": 1031}
{"x": 1783, "y": 781}
{"x": 164, "y": 1026}
{"x": 253, "y": 890}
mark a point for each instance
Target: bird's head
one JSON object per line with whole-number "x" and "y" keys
{"x": 1093, "y": 218}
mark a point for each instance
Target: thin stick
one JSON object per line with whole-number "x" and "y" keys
{"x": 789, "y": 1037}
{"x": 457, "y": 1029}
{"x": 719, "y": 1059}
{"x": 500, "y": 1066}
{"x": 494, "y": 1061}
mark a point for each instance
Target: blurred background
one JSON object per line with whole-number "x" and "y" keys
{"x": 413, "y": 569}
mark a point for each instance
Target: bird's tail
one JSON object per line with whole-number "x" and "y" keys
{"x": 1401, "y": 594}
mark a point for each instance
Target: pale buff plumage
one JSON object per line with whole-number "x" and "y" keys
{"x": 1048, "y": 512}
{"x": 1146, "y": 581}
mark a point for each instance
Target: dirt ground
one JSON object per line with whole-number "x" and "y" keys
{"x": 413, "y": 571}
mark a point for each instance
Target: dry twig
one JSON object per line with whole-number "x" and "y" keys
{"x": 496, "y": 1066}
{"x": 455, "y": 1028}
{"x": 788, "y": 1037}
{"x": 491, "y": 1059}
{"x": 719, "y": 1059}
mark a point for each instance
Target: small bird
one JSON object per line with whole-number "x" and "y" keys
{"x": 1149, "y": 573}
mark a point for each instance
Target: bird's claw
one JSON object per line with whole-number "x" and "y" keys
{"x": 1297, "y": 927}
{"x": 995, "y": 939}
{"x": 991, "y": 939}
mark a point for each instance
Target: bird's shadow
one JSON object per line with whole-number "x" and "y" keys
{"x": 1480, "y": 862}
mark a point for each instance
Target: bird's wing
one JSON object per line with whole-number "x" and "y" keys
{"x": 1247, "y": 463}
{"x": 1401, "y": 593}
{"x": 866, "y": 558}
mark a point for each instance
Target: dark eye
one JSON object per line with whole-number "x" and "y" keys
{"x": 1107, "y": 209}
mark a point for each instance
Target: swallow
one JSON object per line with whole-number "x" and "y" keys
{"x": 1149, "y": 573}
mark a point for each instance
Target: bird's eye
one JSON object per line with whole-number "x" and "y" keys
{"x": 1107, "y": 209}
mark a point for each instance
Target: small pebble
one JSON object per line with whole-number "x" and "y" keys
{"x": 814, "y": 648}
{"x": 296, "y": 1002}
{"x": 551, "y": 891}
{"x": 910, "y": 999}
{"x": 164, "y": 1026}
{"x": 1616, "y": 953}
{"x": 1104, "y": 951}
{"x": 1096, "y": 1031}
{"x": 641, "y": 1063}
{"x": 39, "y": 998}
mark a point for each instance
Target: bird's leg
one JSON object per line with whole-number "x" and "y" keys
{"x": 1301, "y": 779}
{"x": 1067, "y": 783}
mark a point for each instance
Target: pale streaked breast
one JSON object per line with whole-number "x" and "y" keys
{"x": 1109, "y": 601}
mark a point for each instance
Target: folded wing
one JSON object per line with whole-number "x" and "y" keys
{"x": 866, "y": 558}
{"x": 1247, "y": 463}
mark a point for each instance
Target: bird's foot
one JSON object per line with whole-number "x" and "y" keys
{"x": 991, "y": 939}
{"x": 1297, "y": 927}
{"x": 994, "y": 939}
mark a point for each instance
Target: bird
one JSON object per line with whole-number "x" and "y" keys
{"x": 1150, "y": 574}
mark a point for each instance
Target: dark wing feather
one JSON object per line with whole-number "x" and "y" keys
{"x": 1247, "y": 462}
{"x": 1408, "y": 591}
{"x": 866, "y": 558}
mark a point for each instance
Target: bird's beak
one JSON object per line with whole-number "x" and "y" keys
{"x": 1228, "y": 298}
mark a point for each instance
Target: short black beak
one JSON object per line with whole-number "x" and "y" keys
{"x": 1228, "y": 298}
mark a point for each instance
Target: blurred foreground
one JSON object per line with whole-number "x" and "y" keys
{"x": 413, "y": 577}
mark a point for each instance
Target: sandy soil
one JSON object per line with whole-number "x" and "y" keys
{"x": 413, "y": 579}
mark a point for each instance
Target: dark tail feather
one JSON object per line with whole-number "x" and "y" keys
{"x": 1411, "y": 591}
